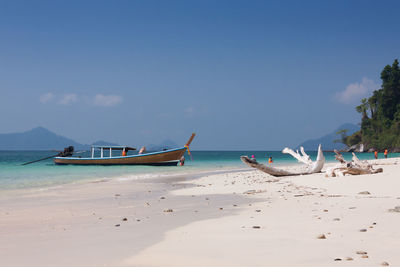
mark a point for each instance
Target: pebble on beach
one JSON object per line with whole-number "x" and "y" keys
{"x": 169, "y": 210}
{"x": 256, "y": 227}
{"x": 396, "y": 209}
{"x": 385, "y": 263}
{"x": 363, "y": 230}
{"x": 338, "y": 259}
{"x": 124, "y": 219}
{"x": 117, "y": 225}
{"x": 364, "y": 193}
{"x": 322, "y": 236}
{"x": 361, "y": 252}
{"x": 349, "y": 258}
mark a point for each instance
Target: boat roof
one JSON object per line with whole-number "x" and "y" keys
{"x": 116, "y": 147}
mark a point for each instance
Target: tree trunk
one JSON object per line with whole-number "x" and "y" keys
{"x": 354, "y": 167}
{"x": 312, "y": 167}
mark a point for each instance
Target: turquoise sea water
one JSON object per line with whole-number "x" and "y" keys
{"x": 46, "y": 173}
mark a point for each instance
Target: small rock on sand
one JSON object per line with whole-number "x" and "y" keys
{"x": 349, "y": 258}
{"x": 385, "y": 263}
{"x": 336, "y": 219}
{"x": 322, "y": 236}
{"x": 258, "y": 210}
{"x": 364, "y": 193}
{"x": 124, "y": 219}
{"x": 117, "y": 225}
{"x": 162, "y": 197}
{"x": 364, "y": 256}
{"x": 338, "y": 259}
{"x": 169, "y": 210}
{"x": 396, "y": 209}
{"x": 363, "y": 230}
{"x": 361, "y": 252}
{"x": 256, "y": 227}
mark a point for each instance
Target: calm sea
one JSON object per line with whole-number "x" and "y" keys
{"x": 45, "y": 173}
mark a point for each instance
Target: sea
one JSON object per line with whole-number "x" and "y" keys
{"x": 42, "y": 174}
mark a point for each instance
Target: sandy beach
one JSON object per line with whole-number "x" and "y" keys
{"x": 240, "y": 218}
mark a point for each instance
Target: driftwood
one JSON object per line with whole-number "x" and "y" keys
{"x": 311, "y": 167}
{"x": 354, "y": 167}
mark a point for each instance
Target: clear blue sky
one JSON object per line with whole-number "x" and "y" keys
{"x": 242, "y": 74}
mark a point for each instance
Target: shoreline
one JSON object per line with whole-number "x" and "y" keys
{"x": 67, "y": 218}
{"x": 207, "y": 219}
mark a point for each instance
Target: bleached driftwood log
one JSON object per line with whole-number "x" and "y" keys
{"x": 354, "y": 167}
{"x": 311, "y": 167}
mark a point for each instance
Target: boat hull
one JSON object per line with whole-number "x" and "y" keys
{"x": 163, "y": 158}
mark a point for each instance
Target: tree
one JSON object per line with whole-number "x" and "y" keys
{"x": 380, "y": 128}
{"x": 343, "y": 137}
{"x": 363, "y": 108}
{"x": 391, "y": 89}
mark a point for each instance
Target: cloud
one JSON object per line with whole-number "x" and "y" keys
{"x": 107, "y": 100}
{"x": 355, "y": 91}
{"x": 189, "y": 112}
{"x": 68, "y": 99}
{"x": 46, "y": 98}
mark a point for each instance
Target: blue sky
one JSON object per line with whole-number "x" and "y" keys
{"x": 241, "y": 74}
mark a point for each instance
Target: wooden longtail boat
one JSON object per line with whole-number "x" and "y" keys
{"x": 168, "y": 157}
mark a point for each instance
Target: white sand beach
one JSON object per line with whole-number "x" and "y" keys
{"x": 242, "y": 218}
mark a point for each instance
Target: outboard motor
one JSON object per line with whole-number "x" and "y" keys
{"x": 68, "y": 152}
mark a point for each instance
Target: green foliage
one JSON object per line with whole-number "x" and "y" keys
{"x": 382, "y": 129}
{"x": 354, "y": 139}
{"x": 343, "y": 136}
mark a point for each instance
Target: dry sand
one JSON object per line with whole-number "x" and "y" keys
{"x": 232, "y": 219}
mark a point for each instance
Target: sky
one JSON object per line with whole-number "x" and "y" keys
{"x": 241, "y": 74}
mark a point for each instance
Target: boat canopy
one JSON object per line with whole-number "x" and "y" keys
{"x": 110, "y": 149}
{"x": 126, "y": 148}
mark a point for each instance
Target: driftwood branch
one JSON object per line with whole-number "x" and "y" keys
{"x": 354, "y": 167}
{"x": 311, "y": 167}
{"x": 270, "y": 170}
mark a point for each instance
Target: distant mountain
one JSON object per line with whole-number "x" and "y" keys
{"x": 36, "y": 139}
{"x": 40, "y": 138}
{"x": 166, "y": 144}
{"x": 327, "y": 140}
{"x": 104, "y": 143}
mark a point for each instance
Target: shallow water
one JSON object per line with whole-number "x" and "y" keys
{"x": 46, "y": 173}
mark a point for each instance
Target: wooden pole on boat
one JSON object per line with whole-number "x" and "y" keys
{"x": 188, "y": 144}
{"x": 26, "y": 163}
{"x": 190, "y": 140}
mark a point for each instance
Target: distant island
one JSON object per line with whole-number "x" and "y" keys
{"x": 41, "y": 138}
{"x": 380, "y": 122}
{"x": 330, "y": 141}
